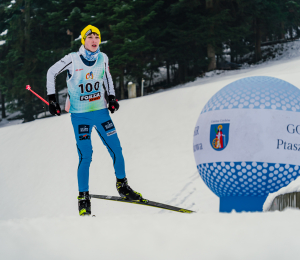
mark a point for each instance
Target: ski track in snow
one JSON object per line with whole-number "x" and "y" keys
{"x": 181, "y": 195}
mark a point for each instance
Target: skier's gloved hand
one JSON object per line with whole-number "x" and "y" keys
{"x": 54, "y": 107}
{"x": 113, "y": 104}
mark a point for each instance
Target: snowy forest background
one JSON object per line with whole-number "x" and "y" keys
{"x": 183, "y": 38}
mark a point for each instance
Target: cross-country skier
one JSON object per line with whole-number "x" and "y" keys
{"x": 87, "y": 70}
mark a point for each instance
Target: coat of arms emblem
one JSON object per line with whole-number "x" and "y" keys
{"x": 219, "y": 136}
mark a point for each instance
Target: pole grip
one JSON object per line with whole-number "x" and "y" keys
{"x": 113, "y": 106}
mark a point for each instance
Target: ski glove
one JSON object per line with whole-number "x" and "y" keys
{"x": 113, "y": 104}
{"x": 54, "y": 107}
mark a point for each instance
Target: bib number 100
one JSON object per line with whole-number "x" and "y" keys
{"x": 89, "y": 87}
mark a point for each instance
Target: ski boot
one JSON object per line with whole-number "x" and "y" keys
{"x": 126, "y": 192}
{"x": 84, "y": 203}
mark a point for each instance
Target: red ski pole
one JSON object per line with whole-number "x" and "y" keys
{"x": 29, "y": 88}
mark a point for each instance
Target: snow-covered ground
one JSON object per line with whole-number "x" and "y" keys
{"x": 8, "y": 122}
{"x": 38, "y": 186}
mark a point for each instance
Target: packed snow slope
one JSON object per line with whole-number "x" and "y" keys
{"x": 38, "y": 186}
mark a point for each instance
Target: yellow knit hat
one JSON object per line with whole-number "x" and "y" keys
{"x": 88, "y": 30}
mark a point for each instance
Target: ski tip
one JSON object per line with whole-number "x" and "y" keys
{"x": 186, "y": 211}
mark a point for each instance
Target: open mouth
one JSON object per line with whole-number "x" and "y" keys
{"x": 94, "y": 45}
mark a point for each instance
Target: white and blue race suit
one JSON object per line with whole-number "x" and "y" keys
{"x": 88, "y": 110}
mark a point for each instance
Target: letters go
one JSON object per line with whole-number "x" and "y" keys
{"x": 292, "y": 129}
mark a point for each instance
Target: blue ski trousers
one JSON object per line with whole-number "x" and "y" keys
{"x": 83, "y": 124}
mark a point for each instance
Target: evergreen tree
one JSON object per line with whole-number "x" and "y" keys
{"x": 3, "y": 51}
{"x": 124, "y": 26}
{"x": 267, "y": 18}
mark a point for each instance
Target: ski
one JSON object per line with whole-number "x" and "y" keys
{"x": 142, "y": 202}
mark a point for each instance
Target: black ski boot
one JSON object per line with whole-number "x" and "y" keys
{"x": 84, "y": 203}
{"x": 126, "y": 192}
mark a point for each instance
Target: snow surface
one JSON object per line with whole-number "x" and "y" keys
{"x": 38, "y": 186}
{"x": 8, "y": 120}
{"x": 79, "y": 37}
{"x": 4, "y": 32}
{"x": 293, "y": 186}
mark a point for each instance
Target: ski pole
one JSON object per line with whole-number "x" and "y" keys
{"x": 29, "y": 88}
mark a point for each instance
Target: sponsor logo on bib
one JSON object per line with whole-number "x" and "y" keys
{"x": 89, "y": 75}
{"x": 91, "y": 97}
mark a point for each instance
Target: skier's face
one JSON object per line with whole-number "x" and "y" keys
{"x": 92, "y": 42}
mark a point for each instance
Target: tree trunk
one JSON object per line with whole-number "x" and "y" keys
{"x": 151, "y": 74}
{"x": 122, "y": 84}
{"x": 209, "y": 4}
{"x": 211, "y": 57}
{"x": 180, "y": 73}
{"x": 231, "y": 53}
{"x": 291, "y": 32}
{"x": 3, "y": 105}
{"x": 258, "y": 55}
{"x": 185, "y": 70}
{"x": 194, "y": 68}
{"x": 27, "y": 26}
{"x": 168, "y": 73}
{"x": 211, "y": 54}
{"x": 28, "y": 108}
{"x": 282, "y": 36}
{"x": 297, "y": 31}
